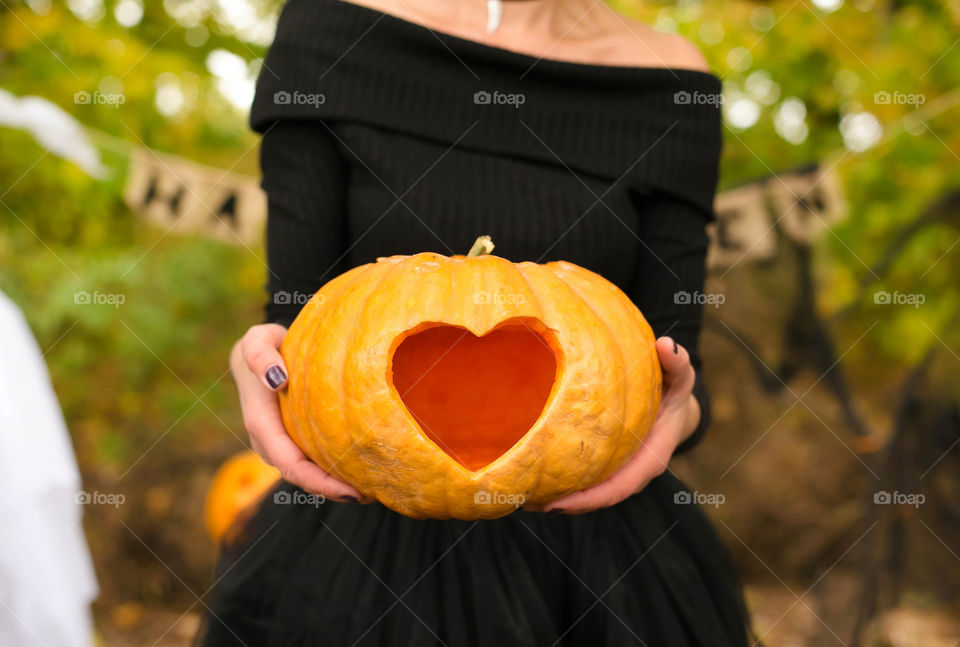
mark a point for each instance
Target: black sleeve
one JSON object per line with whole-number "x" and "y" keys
{"x": 669, "y": 279}
{"x": 303, "y": 177}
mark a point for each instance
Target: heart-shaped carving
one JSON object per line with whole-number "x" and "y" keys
{"x": 475, "y": 397}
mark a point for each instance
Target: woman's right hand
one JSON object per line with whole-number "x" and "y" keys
{"x": 259, "y": 372}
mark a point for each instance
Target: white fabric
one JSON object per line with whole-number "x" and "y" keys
{"x": 54, "y": 128}
{"x": 46, "y": 576}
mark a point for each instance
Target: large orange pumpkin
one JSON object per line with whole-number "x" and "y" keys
{"x": 467, "y": 386}
{"x": 240, "y": 482}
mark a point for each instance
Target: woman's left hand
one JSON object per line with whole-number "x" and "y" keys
{"x": 676, "y": 419}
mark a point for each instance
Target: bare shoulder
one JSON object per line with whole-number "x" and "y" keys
{"x": 643, "y": 46}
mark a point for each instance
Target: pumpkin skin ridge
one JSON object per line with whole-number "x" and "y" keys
{"x": 547, "y": 266}
{"x": 352, "y": 310}
{"x": 319, "y": 448}
{"x": 555, "y": 348}
{"x": 396, "y": 265}
{"x": 298, "y": 343}
{"x": 628, "y": 310}
{"x": 585, "y": 409}
{"x": 603, "y": 472}
{"x": 648, "y": 355}
{"x": 639, "y": 416}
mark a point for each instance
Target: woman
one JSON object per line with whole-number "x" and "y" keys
{"x": 565, "y": 131}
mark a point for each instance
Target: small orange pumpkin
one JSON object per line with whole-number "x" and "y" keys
{"x": 241, "y": 481}
{"x": 467, "y": 386}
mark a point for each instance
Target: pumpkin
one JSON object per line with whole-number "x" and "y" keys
{"x": 240, "y": 482}
{"x": 467, "y": 386}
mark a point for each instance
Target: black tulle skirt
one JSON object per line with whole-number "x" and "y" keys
{"x": 649, "y": 571}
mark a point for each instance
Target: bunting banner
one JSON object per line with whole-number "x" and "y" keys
{"x": 799, "y": 204}
{"x": 183, "y": 196}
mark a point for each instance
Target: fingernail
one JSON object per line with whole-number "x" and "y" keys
{"x": 554, "y": 510}
{"x": 275, "y": 376}
{"x": 676, "y": 349}
{"x": 346, "y": 498}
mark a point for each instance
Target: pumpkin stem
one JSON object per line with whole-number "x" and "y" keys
{"x": 482, "y": 245}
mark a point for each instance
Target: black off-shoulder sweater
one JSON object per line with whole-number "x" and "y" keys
{"x": 382, "y": 137}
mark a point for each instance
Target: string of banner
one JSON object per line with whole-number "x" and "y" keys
{"x": 184, "y": 196}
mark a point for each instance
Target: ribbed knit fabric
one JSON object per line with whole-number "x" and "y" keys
{"x": 377, "y": 143}
{"x": 379, "y": 140}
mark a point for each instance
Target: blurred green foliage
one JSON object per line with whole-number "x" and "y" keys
{"x": 127, "y": 375}
{"x": 849, "y": 63}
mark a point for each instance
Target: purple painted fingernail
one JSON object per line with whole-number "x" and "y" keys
{"x": 275, "y": 376}
{"x": 676, "y": 349}
{"x": 346, "y": 498}
{"x": 554, "y": 510}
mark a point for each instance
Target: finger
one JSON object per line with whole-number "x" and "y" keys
{"x": 296, "y": 468}
{"x": 259, "y": 450}
{"x": 261, "y": 350}
{"x": 263, "y": 421}
{"x": 313, "y": 479}
{"x": 678, "y": 373}
{"x": 649, "y": 462}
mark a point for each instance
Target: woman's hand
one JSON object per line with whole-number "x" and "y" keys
{"x": 676, "y": 419}
{"x": 259, "y": 372}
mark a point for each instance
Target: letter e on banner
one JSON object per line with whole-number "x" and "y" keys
{"x": 743, "y": 230}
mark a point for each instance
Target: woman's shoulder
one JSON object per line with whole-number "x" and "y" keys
{"x": 636, "y": 44}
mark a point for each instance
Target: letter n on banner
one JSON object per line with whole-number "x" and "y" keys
{"x": 182, "y": 196}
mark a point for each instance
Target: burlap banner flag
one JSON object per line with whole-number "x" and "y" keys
{"x": 187, "y": 197}
{"x": 800, "y": 205}
{"x": 183, "y": 196}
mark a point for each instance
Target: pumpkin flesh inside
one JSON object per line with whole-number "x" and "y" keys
{"x": 476, "y": 397}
